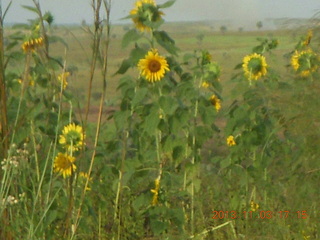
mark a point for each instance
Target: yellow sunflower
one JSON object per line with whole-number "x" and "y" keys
{"x": 63, "y": 78}
{"x": 145, "y": 12}
{"x": 155, "y": 192}
{"x": 254, "y": 66}
{"x": 305, "y": 62}
{"x": 153, "y": 66}
{"x": 72, "y": 137}
{"x": 64, "y": 164}
{"x": 32, "y": 45}
{"x": 231, "y": 141}
{"x": 216, "y": 102}
{"x": 205, "y": 84}
{"x": 254, "y": 206}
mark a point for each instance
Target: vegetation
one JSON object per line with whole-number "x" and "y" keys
{"x": 166, "y": 134}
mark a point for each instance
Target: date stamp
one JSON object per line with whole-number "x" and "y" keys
{"x": 260, "y": 214}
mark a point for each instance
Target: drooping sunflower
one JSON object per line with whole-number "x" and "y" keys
{"x": 254, "y": 66}
{"x": 305, "y": 62}
{"x": 63, "y": 78}
{"x": 206, "y": 58}
{"x": 64, "y": 164}
{"x": 32, "y": 45}
{"x": 153, "y": 66}
{"x": 216, "y": 102}
{"x": 72, "y": 137}
{"x": 230, "y": 141}
{"x": 145, "y": 11}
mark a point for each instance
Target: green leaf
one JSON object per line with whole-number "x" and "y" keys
{"x": 120, "y": 118}
{"x": 130, "y": 36}
{"x": 168, "y": 143}
{"x": 139, "y": 96}
{"x": 225, "y": 163}
{"x": 196, "y": 186}
{"x": 167, "y": 4}
{"x": 151, "y": 121}
{"x": 168, "y": 104}
{"x": 238, "y": 66}
{"x": 6, "y": 10}
{"x": 203, "y": 133}
{"x": 50, "y": 217}
{"x": 165, "y": 41}
{"x": 32, "y": 9}
{"x": 21, "y": 26}
{"x": 158, "y": 227}
{"x": 125, "y": 65}
{"x": 140, "y": 202}
{"x": 177, "y": 216}
{"x": 178, "y": 152}
{"x": 136, "y": 54}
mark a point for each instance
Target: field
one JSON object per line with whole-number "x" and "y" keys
{"x": 179, "y": 131}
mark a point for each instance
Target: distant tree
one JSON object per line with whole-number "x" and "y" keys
{"x": 83, "y": 23}
{"x": 240, "y": 29}
{"x": 259, "y": 25}
{"x": 200, "y": 38}
{"x": 223, "y": 29}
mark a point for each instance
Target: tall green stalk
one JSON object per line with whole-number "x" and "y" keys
{"x": 107, "y": 5}
{"x": 97, "y": 34}
{"x": 4, "y": 137}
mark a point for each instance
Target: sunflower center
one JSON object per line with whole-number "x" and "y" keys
{"x": 154, "y": 66}
{"x": 65, "y": 163}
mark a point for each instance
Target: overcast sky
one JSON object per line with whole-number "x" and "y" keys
{"x": 74, "y": 11}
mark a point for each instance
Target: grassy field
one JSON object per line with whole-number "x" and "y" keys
{"x": 227, "y": 49}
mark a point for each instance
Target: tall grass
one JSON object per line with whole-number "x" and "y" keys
{"x": 156, "y": 160}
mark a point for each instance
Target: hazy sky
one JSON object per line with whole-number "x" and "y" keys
{"x": 74, "y": 11}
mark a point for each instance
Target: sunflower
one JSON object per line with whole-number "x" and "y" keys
{"x": 72, "y": 137}
{"x": 63, "y": 78}
{"x": 144, "y": 13}
{"x": 216, "y": 102}
{"x": 205, "y": 84}
{"x": 254, "y": 206}
{"x": 206, "y": 58}
{"x": 32, "y": 45}
{"x": 155, "y": 191}
{"x": 64, "y": 164}
{"x": 305, "y": 62}
{"x": 153, "y": 66}
{"x": 254, "y": 66}
{"x": 231, "y": 141}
